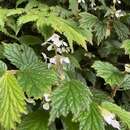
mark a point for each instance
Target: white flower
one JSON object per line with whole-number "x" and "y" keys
{"x": 110, "y": 118}
{"x": 127, "y": 68}
{"x": 44, "y": 56}
{"x": 53, "y": 60}
{"x": 47, "y": 97}
{"x": 64, "y": 60}
{"x": 59, "y": 50}
{"x": 120, "y": 13}
{"x": 49, "y": 48}
{"x": 81, "y": 1}
{"x": 31, "y": 101}
{"x": 46, "y": 106}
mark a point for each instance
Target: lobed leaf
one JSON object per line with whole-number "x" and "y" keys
{"x": 72, "y": 96}
{"x": 108, "y": 72}
{"x": 92, "y": 119}
{"x": 12, "y": 103}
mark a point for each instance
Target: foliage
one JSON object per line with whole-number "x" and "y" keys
{"x": 64, "y": 65}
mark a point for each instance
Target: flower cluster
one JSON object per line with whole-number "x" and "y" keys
{"x": 59, "y": 46}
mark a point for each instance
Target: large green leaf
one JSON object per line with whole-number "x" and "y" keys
{"x": 11, "y": 101}
{"x": 36, "y": 78}
{"x": 88, "y": 20}
{"x": 121, "y": 29}
{"x": 19, "y": 55}
{"x": 108, "y": 72}
{"x": 37, "y": 120}
{"x": 69, "y": 29}
{"x": 121, "y": 113}
{"x": 71, "y": 96}
{"x": 92, "y": 119}
{"x": 3, "y": 68}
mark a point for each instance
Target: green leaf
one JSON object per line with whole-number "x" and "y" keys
{"x": 125, "y": 83}
{"x": 46, "y": 30}
{"x": 126, "y": 46}
{"x": 37, "y": 120}
{"x": 4, "y": 14}
{"x": 36, "y": 79}
{"x": 67, "y": 28}
{"x": 19, "y": 55}
{"x": 121, "y": 113}
{"x": 32, "y": 16}
{"x": 3, "y": 68}
{"x": 73, "y": 5}
{"x": 92, "y": 119}
{"x": 87, "y": 20}
{"x": 108, "y": 72}
{"x": 100, "y": 96}
{"x": 30, "y": 40}
{"x": 101, "y": 31}
{"x": 121, "y": 30}
{"x": 71, "y": 96}
{"x": 11, "y": 101}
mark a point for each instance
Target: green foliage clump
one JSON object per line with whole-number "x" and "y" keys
{"x": 64, "y": 65}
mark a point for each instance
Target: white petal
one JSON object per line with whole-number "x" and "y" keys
{"x": 65, "y": 60}
{"x": 47, "y": 97}
{"x": 58, "y": 43}
{"x": 46, "y": 106}
{"x": 49, "y": 48}
{"x": 53, "y": 60}
{"x": 110, "y": 118}
{"x": 59, "y": 50}
{"x": 115, "y": 124}
{"x": 65, "y": 44}
{"x": 31, "y": 101}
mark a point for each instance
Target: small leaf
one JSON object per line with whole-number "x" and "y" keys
{"x": 71, "y": 96}
{"x": 125, "y": 84}
{"x": 73, "y": 5}
{"x": 108, "y": 72}
{"x": 36, "y": 79}
{"x": 92, "y": 119}
{"x": 126, "y": 46}
{"x": 87, "y": 20}
{"x": 37, "y": 120}
{"x": 11, "y": 101}
{"x": 101, "y": 31}
{"x": 19, "y": 55}
{"x": 121, "y": 30}
{"x": 121, "y": 113}
{"x": 3, "y": 68}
